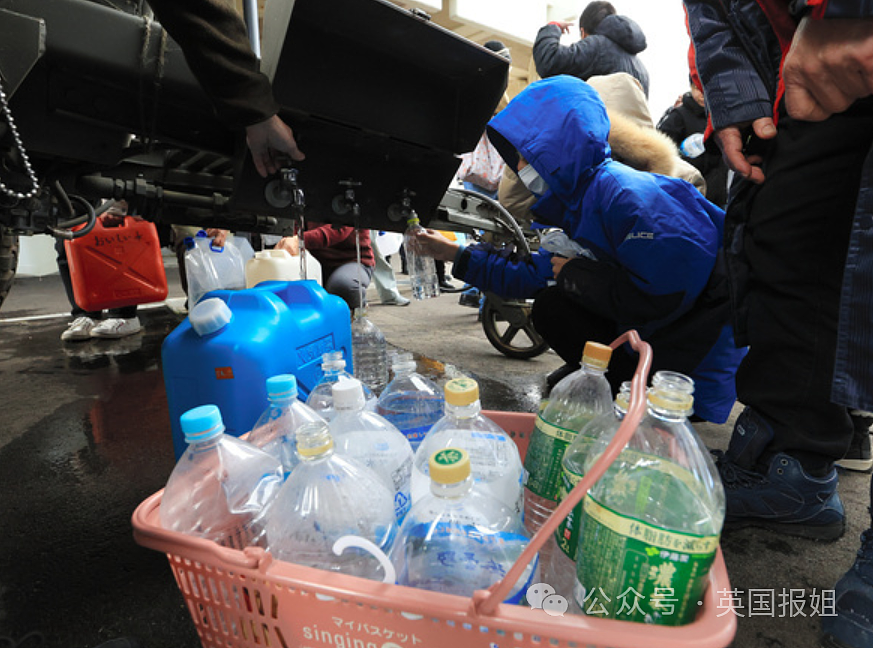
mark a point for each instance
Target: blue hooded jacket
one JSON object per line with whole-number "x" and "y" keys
{"x": 654, "y": 240}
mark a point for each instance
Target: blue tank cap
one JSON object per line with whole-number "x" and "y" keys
{"x": 210, "y": 316}
{"x": 282, "y": 387}
{"x": 201, "y": 423}
{"x": 189, "y": 243}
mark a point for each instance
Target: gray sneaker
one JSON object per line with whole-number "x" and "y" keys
{"x": 79, "y": 330}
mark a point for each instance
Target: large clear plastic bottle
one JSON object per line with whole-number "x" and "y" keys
{"x": 369, "y": 352}
{"x": 559, "y": 554}
{"x": 654, "y": 519}
{"x": 320, "y": 399}
{"x": 412, "y": 402}
{"x": 573, "y": 403}
{"x": 327, "y": 497}
{"x": 422, "y": 269}
{"x": 494, "y": 456}
{"x": 222, "y": 487}
{"x": 373, "y": 441}
{"x": 458, "y": 540}
{"x": 275, "y": 430}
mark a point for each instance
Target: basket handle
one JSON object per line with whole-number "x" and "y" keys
{"x": 485, "y": 602}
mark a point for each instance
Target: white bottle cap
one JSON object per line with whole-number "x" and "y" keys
{"x": 210, "y": 316}
{"x": 348, "y": 394}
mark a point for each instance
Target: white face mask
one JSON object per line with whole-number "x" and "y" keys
{"x": 532, "y": 180}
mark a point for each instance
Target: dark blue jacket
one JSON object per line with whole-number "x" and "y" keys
{"x": 653, "y": 241}
{"x": 613, "y": 48}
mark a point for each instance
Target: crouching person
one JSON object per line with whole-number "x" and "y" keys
{"x": 650, "y": 244}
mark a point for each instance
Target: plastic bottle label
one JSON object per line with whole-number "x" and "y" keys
{"x": 456, "y": 553}
{"x": 633, "y": 571}
{"x": 567, "y": 533}
{"x": 542, "y": 464}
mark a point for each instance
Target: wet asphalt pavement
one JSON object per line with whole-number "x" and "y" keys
{"x": 85, "y": 437}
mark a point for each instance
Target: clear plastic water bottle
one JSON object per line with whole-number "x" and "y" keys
{"x": 275, "y": 430}
{"x": 560, "y": 550}
{"x": 693, "y": 146}
{"x": 330, "y": 496}
{"x": 320, "y": 399}
{"x": 222, "y": 487}
{"x": 422, "y": 269}
{"x": 494, "y": 456}
{"x": 373, "y": 441}
{"x": 458, "y": 540}
{"x": 573, "y": 403}
{"x": 369, "y": 352}
{"x": 412, "y": 402}
{"x": 654, "y": 519}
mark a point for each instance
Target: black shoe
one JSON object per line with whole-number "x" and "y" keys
{"x": 447, "y": 286}
{"x": 775, "y": 492}
{"x": 559, "y": 374}
{"x": 859, "y": 456}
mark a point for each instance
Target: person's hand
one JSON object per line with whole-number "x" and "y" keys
{"x": 558, "y": 263}
{"x": 218, "y": 236}
{"x": 828, "y": 66}
{"x": 731, "y": 142}
{"x": 563, "y": 25}
{"x": 267, "y": 140}
{"x": 289, "y": 243}
{"x": 433, "y": 244}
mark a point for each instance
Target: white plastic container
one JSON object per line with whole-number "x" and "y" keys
{"x": 279, "y": 265}
{"x": 212, "y": 268}
{"x": 328, "y": 498}
{"x": 373, "y": 441}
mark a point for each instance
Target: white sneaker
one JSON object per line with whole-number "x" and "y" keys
{"x": 116, "y": 327}
{"x": 79, "y": 329}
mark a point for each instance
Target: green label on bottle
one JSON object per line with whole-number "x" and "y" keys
{"x": 567, "y": 533}
{"x": 542, "y": 463}
{"x": 633, "y": 571}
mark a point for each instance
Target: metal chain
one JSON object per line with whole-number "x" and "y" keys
{"x": 4, "y": 106}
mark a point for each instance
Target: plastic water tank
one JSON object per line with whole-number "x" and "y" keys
{"x": 232, "y": 342}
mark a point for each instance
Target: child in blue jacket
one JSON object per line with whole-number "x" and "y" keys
{"x": 651, "y": 246}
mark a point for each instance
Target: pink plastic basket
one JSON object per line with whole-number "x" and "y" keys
{"x": 246, "y": 599}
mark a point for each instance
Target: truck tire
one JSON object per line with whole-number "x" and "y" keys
{"x": 8, "y": 261}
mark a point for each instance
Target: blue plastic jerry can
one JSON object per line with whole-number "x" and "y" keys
{"x": 232, "y": 341}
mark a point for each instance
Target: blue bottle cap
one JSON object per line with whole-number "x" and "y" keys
{"x": 201, "y": 423}
{"x": 282, "y": 387}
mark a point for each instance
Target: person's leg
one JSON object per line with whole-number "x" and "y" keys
{"x": 566, "y": 326}
{"x": 83, "y": 321}
{"x": 350, "y": 281}
{"x": 119, "y": 323}
{"x": 383, "y": 277}
{"x": 851, "y": 624}
{"x": 794, "y": 239}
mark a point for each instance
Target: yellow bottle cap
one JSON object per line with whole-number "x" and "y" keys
{"x": 449, "y": 466}
{"x": 462, "y": 391}
{"x": 596, "y": 355}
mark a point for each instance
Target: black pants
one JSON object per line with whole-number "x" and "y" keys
{"x": 787, "y": 241}
{"x": 567, "y": 325}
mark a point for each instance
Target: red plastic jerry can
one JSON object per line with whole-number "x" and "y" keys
{"x": 116, "y": 266}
